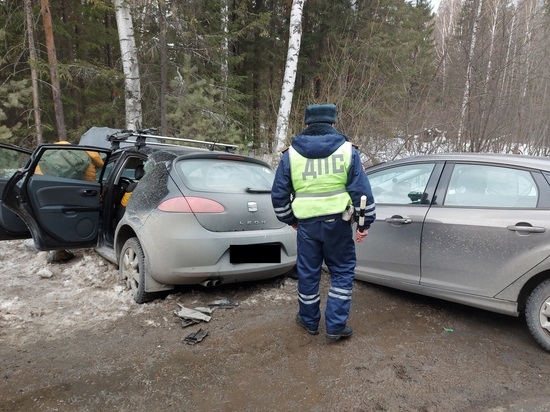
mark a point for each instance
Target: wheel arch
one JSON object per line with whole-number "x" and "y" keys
{"x": 126, "y": 232}
{"x": 529, "y": 286}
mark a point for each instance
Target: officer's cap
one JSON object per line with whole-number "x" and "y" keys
{"x": 320, "y": 113}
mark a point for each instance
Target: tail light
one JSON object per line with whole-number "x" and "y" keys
{"x": 191, "y": 205}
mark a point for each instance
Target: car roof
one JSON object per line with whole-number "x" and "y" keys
{"x": 534, "y": 162}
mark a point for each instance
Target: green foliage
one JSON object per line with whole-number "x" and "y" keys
{"x": 15, "y": 97}
{"x": 196, "y": 110}
{"x": 375, "y": 62}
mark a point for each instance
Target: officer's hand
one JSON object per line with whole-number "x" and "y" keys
{"x": 360, "y": 236}
{"x": 295, "y": 226}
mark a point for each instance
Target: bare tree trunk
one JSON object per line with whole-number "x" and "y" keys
{"x": 527, "y": 45}
{"x": 468, "y": 82}
{"x": 445, "y": 29}
{"x": 490, "y": 94}
{"x": 494, "y": 8}
{"x": 224, "y": 69}
{"x": 295, "y": 38}
{"x": 34, "y": 76}
{"x": 509, "y": 49}
{"x": 132, "y": 92}
{"x": 225, "y": 44}
{"x": 54, "y": 74}
{"x": 163, "y": 67}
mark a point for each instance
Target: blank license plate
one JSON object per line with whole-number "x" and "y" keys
{"x": 266, "y": 253}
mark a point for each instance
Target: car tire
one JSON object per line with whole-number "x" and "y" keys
{"x": 537, "y": 314}
{"x": 132, "y": 269}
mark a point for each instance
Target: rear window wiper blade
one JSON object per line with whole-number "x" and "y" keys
{"x": 253, "y": 190}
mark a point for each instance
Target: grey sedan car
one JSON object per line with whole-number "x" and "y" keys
{"x": 167, "y": 211}
{"x": 467, "y": 228}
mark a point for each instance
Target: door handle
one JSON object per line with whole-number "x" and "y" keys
{"x": 89, "y": 192}
{"x": 399, "y": 220}
{"x": 522, "y": 227}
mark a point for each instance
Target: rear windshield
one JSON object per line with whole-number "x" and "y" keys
{"x": 215, "y": 175}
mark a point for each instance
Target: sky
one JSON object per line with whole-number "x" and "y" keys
{"x": 435, "y": 5}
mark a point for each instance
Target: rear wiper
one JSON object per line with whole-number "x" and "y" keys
{"x": 252, "y": 190}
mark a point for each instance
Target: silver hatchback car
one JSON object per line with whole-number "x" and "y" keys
{"x": 167, "y": 211}
{"x": 467, "y": 228}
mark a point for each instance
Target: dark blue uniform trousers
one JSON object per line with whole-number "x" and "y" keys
{"x": 331, "y": 241}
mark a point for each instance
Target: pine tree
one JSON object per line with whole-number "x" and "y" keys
{"x": 196, "y": 110}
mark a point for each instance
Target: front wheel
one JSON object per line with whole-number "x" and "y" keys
{"x": 537, "y": 314}
{"x": 132, "y": 269}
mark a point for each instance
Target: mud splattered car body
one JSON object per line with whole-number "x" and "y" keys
{"x": 195, "y": 215}
{"x": 471, "y": 228}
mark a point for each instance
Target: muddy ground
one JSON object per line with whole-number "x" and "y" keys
{"x": 72, "y": 340}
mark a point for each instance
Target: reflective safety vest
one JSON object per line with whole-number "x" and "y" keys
{"x": 320, "y": 184}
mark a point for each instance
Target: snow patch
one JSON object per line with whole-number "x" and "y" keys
{"x": 40, "y": 300}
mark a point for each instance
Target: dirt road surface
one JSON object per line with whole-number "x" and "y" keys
{"x": 71, "y": 339}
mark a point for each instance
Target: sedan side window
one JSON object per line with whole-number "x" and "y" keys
{"x": 400, "y": 185}
{"x": 491, "y": 186}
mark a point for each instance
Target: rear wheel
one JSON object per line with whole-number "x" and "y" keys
{"x": 132, "y": 269}
{"x": 537, "y": 314}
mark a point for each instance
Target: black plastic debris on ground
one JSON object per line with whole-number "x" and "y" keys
{"x": 195, "y": 337}
{"x": 188, "y": 322}
{"x": 196, "y": 315}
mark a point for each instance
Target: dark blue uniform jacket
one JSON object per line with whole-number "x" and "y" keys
{"x": 318, "y": 141}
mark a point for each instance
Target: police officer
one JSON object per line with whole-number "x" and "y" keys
{"x": 318, "y": 177}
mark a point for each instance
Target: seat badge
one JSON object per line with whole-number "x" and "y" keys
{"x": 252, "y": 206}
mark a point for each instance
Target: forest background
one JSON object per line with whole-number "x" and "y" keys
{"x": 472, "y": 75}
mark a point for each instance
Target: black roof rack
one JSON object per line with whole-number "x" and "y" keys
{"x": 142, "y": 138}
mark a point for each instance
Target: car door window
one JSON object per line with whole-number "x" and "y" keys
{"x": 491, "y": 186}
{"x": 401, "y": 185}
{"x": 128, "y": 177}
{"x": 58, "y": 195}
{"x": 71, "y": 164}
{"x": 11, "y": 160}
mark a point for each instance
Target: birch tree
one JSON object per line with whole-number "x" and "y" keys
{"x": 289, "y": 79}
{"x": 225, "y": 42}
{"x": 469, "y": 67}
{"x": 128, "y": 51}
{"x": 444, "y": 32}
{"x": 163, "y": 65}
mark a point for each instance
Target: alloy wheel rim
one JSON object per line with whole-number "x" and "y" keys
{"x": 544, "y": 315}
{"x": 131, "y": 270}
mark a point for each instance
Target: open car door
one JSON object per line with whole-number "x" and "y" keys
{"x": 12, "y": 159}
{"x": 58, "y": 195}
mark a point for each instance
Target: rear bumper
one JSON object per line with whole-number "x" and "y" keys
{"x": 179, "y": 251}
